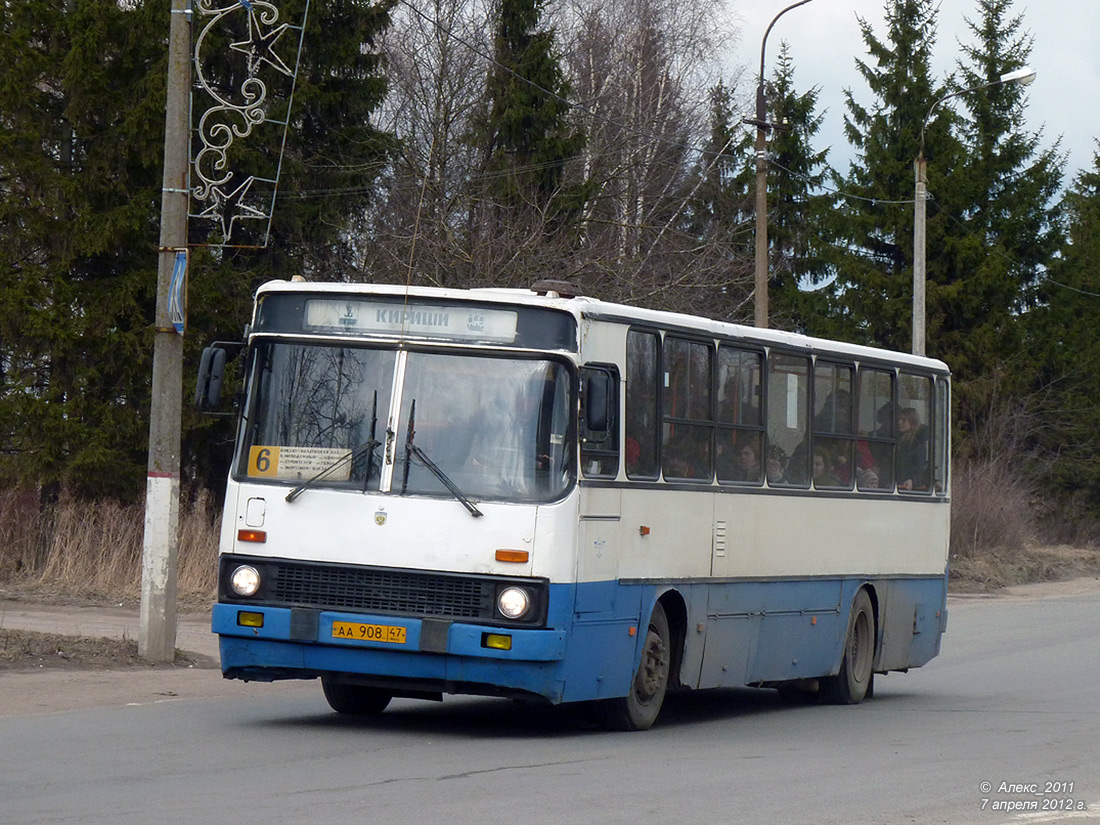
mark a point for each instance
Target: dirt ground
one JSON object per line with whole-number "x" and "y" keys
{"x": 994, "y": 570}
{"x": 66, "y": 656}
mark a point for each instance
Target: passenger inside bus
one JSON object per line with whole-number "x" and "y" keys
{"x": 748, "y": 460}
{"x": 776, "y": 465}
{"x": 912, "y": 451}
{"x": 824, "y": 473}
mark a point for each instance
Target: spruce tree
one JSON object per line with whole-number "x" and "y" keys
{"x": 81, "y": 102}
{"x": 1064, "y": 344}
{"x": 798, "y": 207}
{"x": 872, "y": 295}
{"x": 525, "y": 134}
{"x": 1003, "y": 209}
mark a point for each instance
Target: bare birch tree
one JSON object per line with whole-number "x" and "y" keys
{"x": 436, "y": 53}
{"x": 641, "y": 73}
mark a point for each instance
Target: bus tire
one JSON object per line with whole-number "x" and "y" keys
{"x": 354, "y": 700}
{"x": 853, "y": 683}
{"x": 638, "y": 710}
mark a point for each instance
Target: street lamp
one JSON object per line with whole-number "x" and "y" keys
{"x": 762, "y": 127}
{"x": 1022, "y": 76}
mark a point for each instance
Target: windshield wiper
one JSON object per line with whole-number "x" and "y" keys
{"x": 366, "y": 448}
{"x": 371, "y": 442}
{"x": 411, "y": 449}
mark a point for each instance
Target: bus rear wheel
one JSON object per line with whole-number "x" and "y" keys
{"x": 855, "y": 679}
{"x": 354, "y": 700}
{"x": 638, "y": 710}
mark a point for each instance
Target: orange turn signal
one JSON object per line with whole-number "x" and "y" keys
{"x": 257, "y": 536}
{"x": 517, "y": 556}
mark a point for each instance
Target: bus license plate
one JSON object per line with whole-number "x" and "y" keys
{"x": 390, "y": 634}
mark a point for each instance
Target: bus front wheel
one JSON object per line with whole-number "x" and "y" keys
{"x": 638, "y": 710}
{"x": 355, "y": 700}
{"x": 853, "y": 683}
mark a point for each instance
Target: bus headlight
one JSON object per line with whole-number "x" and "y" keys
{"x": 245, "y": 580}
{"x": 513, "y": 602}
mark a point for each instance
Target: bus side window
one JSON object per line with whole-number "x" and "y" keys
{"x": 913, "y": 454}
{"x": 875, "y": 427}
{"x": 788, "y": 393}
{"x": 640, "y": 445}
{"x": 837, "y": 461}
{"x": 940, "y": 439}
{"x": 687, "y": 425}
{"x": 739, "y": 434}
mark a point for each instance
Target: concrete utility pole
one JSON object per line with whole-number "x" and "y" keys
{"x": 920, "y": 246}
{"x": 760, "y": 280}
{"x": 157, "y": 633}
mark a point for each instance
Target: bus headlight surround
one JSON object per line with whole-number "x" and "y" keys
{"x": 245, "y": 580}
{"x": 513, "y": 602}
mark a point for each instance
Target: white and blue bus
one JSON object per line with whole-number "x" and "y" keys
{"x": 538, "y": 494}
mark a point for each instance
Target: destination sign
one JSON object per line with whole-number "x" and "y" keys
{"x": 466, "y": 323}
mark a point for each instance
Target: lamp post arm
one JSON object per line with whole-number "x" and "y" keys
{"x": 932, "y": 108}
{"x": 761, "y": 108}
{"x": 1022, "y": 76}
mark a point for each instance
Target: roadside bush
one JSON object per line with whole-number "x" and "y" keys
{"x": 992, "y": 508}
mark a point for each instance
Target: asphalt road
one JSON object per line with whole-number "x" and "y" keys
{"x": 1013, "y": 701}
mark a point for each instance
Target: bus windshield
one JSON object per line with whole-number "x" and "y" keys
{"x": 497, "y": 428}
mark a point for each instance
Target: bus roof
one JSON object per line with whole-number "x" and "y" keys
{"x": 585, "y": 308}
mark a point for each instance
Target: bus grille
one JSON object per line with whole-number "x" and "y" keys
{"x": 383, "y": 591}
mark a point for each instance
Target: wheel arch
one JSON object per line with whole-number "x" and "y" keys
{"x": 872, "y": 593}
{"x": 676, "y": 613}
{"x": 876, "y": 615}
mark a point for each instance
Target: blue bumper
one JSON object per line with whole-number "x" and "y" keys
{"x": 442, "y": 656}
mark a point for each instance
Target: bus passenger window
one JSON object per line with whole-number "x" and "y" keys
{"x": 913, "y": 456}
{"x": 836, "y": 458}
{"x": 687, "y": 425}
{"x": 940, "y": 439}
{"x": 788, "y": 416}
{"x": 640, "y": 444}
{"x": 875, "y": 428}
{"x": 739, "y": 437}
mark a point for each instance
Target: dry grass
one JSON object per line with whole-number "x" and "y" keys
{"x": 996, "y": 535}
{"x": 992, "y": 509}
{"x": 1026, "y": 565}
{"x": 92, "y": 550}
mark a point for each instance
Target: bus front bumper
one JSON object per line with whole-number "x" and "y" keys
{"x": 267, "y": 643}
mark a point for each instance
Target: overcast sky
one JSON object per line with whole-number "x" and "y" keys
{"x": 824, "y": 40}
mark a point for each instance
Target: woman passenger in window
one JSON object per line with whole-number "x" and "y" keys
{"x": 912, "y": 451}
{"x": 747, "y": 467}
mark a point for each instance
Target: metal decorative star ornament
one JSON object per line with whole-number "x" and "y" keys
{"x": 223, "y": 194}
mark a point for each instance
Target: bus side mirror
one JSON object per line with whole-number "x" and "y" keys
{"x": 208, "y": 388}
{"x": 599, "y": 395}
